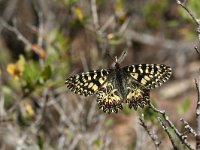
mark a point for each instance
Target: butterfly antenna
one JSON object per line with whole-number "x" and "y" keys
{"x": 123, "y": 55}
{"x": 113, "y": 60}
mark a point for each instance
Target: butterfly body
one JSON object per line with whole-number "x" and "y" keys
{"x": 113, "y": 87}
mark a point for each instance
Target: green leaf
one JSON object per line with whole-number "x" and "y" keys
{"x": 97, "y": 142}
{"x": 40, "y": 141}
{"x": 127, "y": 110}
{"x": 194, "y": 5}
{"x": 184, "y": 106}
{"x": 109, "y": 123}
{"x": 46, "y": 73}
{"x": 149, "y": 114}
{"x": 31, "y": 73}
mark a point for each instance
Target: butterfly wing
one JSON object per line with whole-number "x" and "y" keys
{"x": 140, "y": 79}
{"x": 136, "y": 95}
{"x": 87, "y": 83}
{"x": 149, "y": 75}
{"x": 109, "y": 98}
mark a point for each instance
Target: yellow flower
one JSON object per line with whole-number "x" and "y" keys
{"x": 29, "y": 110}
{"x": 16, "y": 70}
{"x": 79, "y": 13}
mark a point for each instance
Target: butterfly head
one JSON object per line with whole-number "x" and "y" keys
{"x": 117, "y": 66}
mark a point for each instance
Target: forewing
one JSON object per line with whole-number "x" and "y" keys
{"x": 149, "y": 75}
{"x": 87, "y": 83}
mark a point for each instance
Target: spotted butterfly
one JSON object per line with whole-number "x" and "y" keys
{"x": 113, "y": 87}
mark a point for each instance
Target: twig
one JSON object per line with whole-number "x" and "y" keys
{"x": 152, "y": 40}
{"x": 2, "y": 100}
{"x": 109, "y": 21}
{"x": 197, "y": 81}
{"x": 84, "y": 61}
{"x": 18, "y": 34}
{"x": 168, "y": 133}
{"x": 94, "y": 14}
{"x": 153, "y": 136}
{"x": 40, "y": 29}
{"x": 188, "y": 127}
{"x": 75, "y": 141}
{"x": 188, "y": 11}
{"x": 124, "y": 26}
{"x": 197, "y": 21}
{"x": 197, "y": 50}
{"x": 182, "y": 138}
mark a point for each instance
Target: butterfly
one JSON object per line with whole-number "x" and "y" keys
{"x": 113, "y": 87}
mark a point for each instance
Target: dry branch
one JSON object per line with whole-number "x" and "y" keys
{"x": 152, "y": 135}
{"x": 197, "y": 21}
{"x": 182, "y": 137}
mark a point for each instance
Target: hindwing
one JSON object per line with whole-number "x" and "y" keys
{"x": 109, "y": 98}
{"x": 136, "y": 95}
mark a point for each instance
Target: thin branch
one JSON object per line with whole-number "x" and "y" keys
{"x": 14, "y": 30}
{"x": 197, "y": 50}
{"x": 94, "y": 14}
{"x": 188, "y": 11}
{"x": 153, "y": 136}
{"x": 182, "y": 138}
{"x": 197, "y": 21}
{"x": 197, "y": 81}
{"x": 40, "y": 29}
{"x": 152, "y": 40}
{"x": 109, "y": 21}
{"x": 188, "y": 127}
{"x": 168, "y": 133}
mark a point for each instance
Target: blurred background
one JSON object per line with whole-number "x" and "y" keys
{"x": 42, "y": 42}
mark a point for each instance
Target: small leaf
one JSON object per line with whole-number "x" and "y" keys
{"x": 109, "y": 123}
{"x": 184, "y": 106}
{"x": 97, "y": 142}
{"x": 31, "y": 72}
{"x": 127, "y": 110}
{"x": 46, "y": 73}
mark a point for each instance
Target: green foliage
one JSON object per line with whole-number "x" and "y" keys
{"x": 97, "y": 142}
{"x": 153, "y": 11}
{"x": 184, "y": 106}
{"x": 109, "y": 122}
{"x": 7, "y": 92}
{"x": 40, "y": 141}
{"x": 31, "y": 73}
{"x": 70, "y": 2}
{"x": 127, "y": 110}
{"x": 149, "y": 114}
{"x": 46, "y": 74}
{"x": 194, "y": 5}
